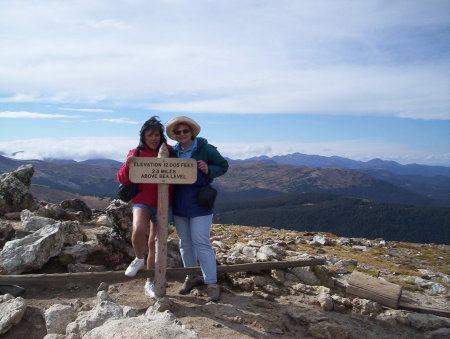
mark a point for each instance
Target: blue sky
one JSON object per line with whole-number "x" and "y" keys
{"x": 359, "y": 79}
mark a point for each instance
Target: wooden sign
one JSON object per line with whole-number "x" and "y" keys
{"x": 163, "y": 170}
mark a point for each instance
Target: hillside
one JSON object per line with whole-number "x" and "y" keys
{"x": 269, "y": 175}
{"x": 244, "y": 180}
{"x": 341, "y": 215}
{"x": 299, "y": 159}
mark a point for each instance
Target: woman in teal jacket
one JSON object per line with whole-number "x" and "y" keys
{"x": 192, "y": 221}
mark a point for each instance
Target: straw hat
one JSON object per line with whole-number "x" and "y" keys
{"x": 172, "y": 123}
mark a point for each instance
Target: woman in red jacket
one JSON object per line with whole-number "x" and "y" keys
{"x": 145, "y": 201}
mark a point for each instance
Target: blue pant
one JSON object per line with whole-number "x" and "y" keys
{"x": 194, "y": 244}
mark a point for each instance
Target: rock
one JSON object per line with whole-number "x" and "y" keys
{"x": 53, "y": 211}
{"x": 33, "y": 251}
{"x": 267, "y": 253}
{"x": 86, "y": 321}
{"x": 12, "y": 216}
{"x": 116, "y": 242}
{"x": 325, "y": 301}
{"x": 442, "y": 333}
{"x": 238, "y": 259}
{"x": 55, "y": 336}
{"x": 426, "y": 322}
{"x": 81, "y": 252}
{"x": 436, "y": 289}
{"x": 324, "y": 274}
{"x": 129, "y": 312}
{"x": 77, "y": 205}
{"x": 35, "y": 223}
{"x": 57, "y": 317}
{"x": 249, "y": 251}
{"x": 360, "y": 248}
{"x": 304, "y": 316}
{"x": 279, "y": 276}
{"x": 72, "y": 232}
{"x": 104, "y": 220}
{"x": 121, "y": 216}
{"x": 328, "y": 330}
{"x": 7, "y": 233}
{"x": 349, "y": 262}
{"x": 306, "y": 275}
{"x": 320, "y": 240}
{"x": 366, "y": 306}
{"x": 11, "y": 313}
{"x": 14, "y": 190}
{"x": 160, "y": 325}
{"x": 161, "y": 305}
{"x": 103, "y": 287}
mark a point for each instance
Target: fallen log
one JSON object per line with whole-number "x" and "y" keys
{"x": 387, "y": 294}
{"x": 171, "y": 273}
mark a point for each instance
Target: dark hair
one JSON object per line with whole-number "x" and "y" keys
{"x": 155, "y": 124}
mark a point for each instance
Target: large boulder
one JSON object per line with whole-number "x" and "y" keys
{"x": 32, "y": 222}
{"x": 14, "y": 190}
{"x": 121, "y": 216}
{"x": 34, "y": 250}
{"x": 105, "y": 310}
{"x": 11, "y": 311}
{"x": 57, "y": 317}
{"x": 77, "y": 208}
{"x": 155, "y": 325}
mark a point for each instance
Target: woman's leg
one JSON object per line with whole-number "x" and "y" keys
{"x": 200, "y": 234}
{"x": 187, "y": 251}
{"x": 141, "y": 218}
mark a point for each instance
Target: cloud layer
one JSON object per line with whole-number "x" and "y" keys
{"x": 326, "y": 57}
{"x": 116, "y": 148}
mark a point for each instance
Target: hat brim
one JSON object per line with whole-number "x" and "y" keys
{"x": 173, "y": 123}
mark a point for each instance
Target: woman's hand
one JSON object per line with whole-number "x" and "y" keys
{"x": 130, "y": 158}
{"x": 203, "y": 166}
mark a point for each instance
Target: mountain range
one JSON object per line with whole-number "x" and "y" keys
{"x": 370, "y": 201}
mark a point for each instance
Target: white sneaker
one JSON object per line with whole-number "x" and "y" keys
{"x": 149, "y": 289}
{"x": 135, "y": 266}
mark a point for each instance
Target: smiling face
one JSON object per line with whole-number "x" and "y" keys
{"x": 183, "y": 134}
{"x": 152, "y": 139}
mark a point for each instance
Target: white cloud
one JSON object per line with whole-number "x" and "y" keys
{"x": 92, "y": 110}
{"x": 70, "y": 148}
{"x": 363, "y": 150}
{"x": 117, "y": 147}
{"x": 120, "y": 121}
{"x": 326, "y": 57}
{"x": 34, "y": 115}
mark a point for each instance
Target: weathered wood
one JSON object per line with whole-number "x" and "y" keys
{"x": 161, "y": 232}
{"x": 383, "y": 292}
{"x": 423, "y": 309}
{"x": 171, "y": 273}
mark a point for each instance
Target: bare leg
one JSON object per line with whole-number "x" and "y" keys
{"x": 151, "y": 248}
{"x": 141, "y": 217}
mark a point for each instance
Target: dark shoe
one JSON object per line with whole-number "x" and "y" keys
{"x": 189, "y": 284}
{"x": 213, "y": 293}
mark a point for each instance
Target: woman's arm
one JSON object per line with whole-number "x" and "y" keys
{"x": 217, "y": 165}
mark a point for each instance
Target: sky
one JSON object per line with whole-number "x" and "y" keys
{"x": 358, "y": 79}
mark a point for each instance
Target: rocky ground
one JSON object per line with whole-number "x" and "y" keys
{"x": 36, "y": 237}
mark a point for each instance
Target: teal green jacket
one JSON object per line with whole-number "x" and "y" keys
{"x": 185, "y": 196}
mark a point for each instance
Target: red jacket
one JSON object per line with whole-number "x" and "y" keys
{"x": 147, "y": 193}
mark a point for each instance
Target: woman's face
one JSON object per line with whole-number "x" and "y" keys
{"x": 152, "y": 138}
{"x": 182, "y": 133}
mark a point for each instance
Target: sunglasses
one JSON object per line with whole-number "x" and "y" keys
{"x": 182, "y": 131}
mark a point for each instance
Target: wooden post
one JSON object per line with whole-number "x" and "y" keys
{"x": 161, "y": 232}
